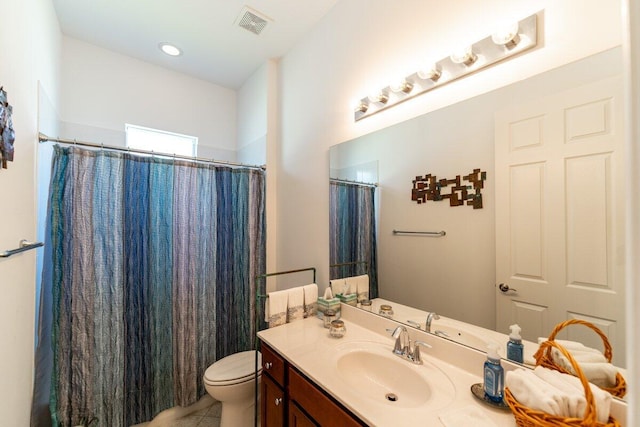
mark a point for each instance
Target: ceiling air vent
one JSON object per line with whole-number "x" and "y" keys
{"x": 252, "y": 20}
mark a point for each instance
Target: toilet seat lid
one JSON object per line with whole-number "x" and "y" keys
{"x": 235, "y": 368}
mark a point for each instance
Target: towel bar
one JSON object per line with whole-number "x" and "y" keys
{"x": 423, "y": 233}
{"x": 24, "y": 246}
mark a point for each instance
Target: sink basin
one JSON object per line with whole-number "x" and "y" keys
{"x": 374, "y": 373}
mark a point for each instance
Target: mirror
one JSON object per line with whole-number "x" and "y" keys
{"x": 454, "y": 275}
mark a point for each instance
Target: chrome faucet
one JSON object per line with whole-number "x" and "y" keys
{"x": 403, "y": 342}
{"x": 430, "y": 317}
{"x": 403, "y": 348}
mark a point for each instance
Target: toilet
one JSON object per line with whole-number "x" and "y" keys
{"x": 231, "y": 381}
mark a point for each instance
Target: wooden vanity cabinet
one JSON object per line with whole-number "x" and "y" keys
{"x": 273, "y": 398}
{"x": 297, "y": 418}
{"x": 290, "y": 399}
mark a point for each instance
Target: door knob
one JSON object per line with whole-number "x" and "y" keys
{"x": 505, "y": 288}
{"x": 278, "y": 401}
{"x": 268, "y": 365}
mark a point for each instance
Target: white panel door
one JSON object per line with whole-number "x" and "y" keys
{"x": 560, "y": 200}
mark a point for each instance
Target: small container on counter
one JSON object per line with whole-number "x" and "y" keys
{"x": 386, "y": 311}
{"x": 329, "y": 316}
{"x": 337, "y": 329}
{"x": 365, "y": 304}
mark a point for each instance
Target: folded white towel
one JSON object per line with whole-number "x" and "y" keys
{"x": 574, "y": 346}
{"x": 362, "y": 283}
{"x": 575, "y": 402}
{"x": 601, "y": 398}
{"x": 351, "y": 284}
{"x": 600, "y": 374}
{"x": 275, "y": 313}
{"x": 535, "y": 393}
{"x": 338, "y": 286}
{"x": 593, "y": 363}
{"x": 468, "y": 416}
{"x": 295, "y": 306}
{"x": 310, "y": 300}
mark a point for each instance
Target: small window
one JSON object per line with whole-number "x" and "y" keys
{"x": 160, "y": 141}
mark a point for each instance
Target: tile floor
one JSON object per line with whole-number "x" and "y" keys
{"x": 207, "y": 417}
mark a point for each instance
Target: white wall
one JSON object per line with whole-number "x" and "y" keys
{"x": 358, "y": 47}
{"x": 252, "y": 118}
{"x": 258, "y": 141}
{"x": 30, "y": 46}
{"x": 103, "y": 90}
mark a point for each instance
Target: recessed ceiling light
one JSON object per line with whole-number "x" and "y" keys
{"x": 170, "y": 49}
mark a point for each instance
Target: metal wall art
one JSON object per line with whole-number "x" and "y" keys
{"x": 7, "y": 135}
{"x": 429, "y": 187}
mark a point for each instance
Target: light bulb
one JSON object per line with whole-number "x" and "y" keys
{"x": 464, "y": 56}
{"x": 362, "y": 107}
{"x": 404, "y": 86}
{"x": 381, "y": 98}
{"x": 430, "y": 74}
{"x": 507, "y": 36}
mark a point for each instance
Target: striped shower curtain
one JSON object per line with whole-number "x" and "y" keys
{"x": 352, "y": 232}
{"x": 151, "y": 280}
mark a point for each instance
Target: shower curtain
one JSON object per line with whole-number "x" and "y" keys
{"x": 352, "y": 229}
{"x": 150, "y": 276}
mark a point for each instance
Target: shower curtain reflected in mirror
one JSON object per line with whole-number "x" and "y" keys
{"x": 352, "y": 232}
{"x": 150, "y": 280}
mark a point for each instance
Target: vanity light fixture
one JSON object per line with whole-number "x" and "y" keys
{"x": 362, "y": 107}
{"x": 507, "y": 37}
{"x": 170, "y": 49}
{"x": 504, "y": 44}
{"x": 404, "y": 86}
{"x": 432, "y": 74}
{"x": 464, "y": 56}
{"x": 381, "y": 98}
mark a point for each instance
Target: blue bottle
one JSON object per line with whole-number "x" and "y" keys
{"x": 514, "y": 346}
{"x": 493, "y": 374}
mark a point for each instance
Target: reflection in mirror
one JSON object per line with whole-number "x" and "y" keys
{"x": 353, "y": 237}
{"x": 456, "y": 275}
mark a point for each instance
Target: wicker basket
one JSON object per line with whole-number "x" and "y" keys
{"x": 543, "y": 358}
{"x": 527, "y": 417}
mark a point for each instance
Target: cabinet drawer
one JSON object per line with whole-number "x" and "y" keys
{"x": 320, "y": 407}
{"x": 272, "y": 364}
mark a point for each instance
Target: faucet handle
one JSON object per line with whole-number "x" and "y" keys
{"x": 416, "y": 351}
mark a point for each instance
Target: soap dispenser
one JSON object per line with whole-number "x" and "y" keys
{"x": 493, "y": 374}
{"x": 515, "y": 348}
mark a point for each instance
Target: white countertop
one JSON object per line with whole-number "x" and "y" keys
{"x": 306, "y": 345}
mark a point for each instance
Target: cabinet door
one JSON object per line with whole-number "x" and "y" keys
{"x": 324, "y": 411}
{"x": 272, "y": 404}
{"x": 297, "y": 418}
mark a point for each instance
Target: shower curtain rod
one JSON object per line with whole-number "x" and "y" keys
{"x": 44, "y": 138}
{"x": 348, "y": 181}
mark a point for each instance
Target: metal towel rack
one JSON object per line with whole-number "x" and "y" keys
{"x": 24, "y": 246}
{"x": 259, "y": 298}
{"x": 422, "y": 233}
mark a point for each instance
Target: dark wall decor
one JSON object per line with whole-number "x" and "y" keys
{"x": 7, "y": 135}
{"x": 429, "y": 187}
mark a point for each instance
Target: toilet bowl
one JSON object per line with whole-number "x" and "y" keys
{"x": 231, "y": 381}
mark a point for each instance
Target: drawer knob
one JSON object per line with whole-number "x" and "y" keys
{"x": 268, "y": 365}
{"x": 278, "y": 401}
